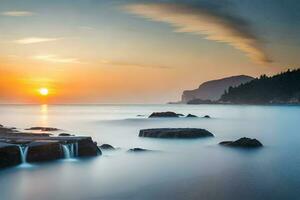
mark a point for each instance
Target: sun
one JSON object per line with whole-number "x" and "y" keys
{"x": 44, "y": 91}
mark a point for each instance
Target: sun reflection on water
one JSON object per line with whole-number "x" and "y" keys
{"x": 44, "y": 114}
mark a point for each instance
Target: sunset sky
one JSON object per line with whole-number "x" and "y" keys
{"x": 104, "y": 51}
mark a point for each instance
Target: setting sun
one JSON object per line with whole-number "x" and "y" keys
{"x": 44, "y": 91}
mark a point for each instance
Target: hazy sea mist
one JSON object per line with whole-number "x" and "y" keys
{"x": 179, "y": 169}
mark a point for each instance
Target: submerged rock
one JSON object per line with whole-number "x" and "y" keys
{"x": 243, "y": 142}
{"x": 190, "y": 115}
{"x": 206, "y": 116}
{"x": 164, "y": 114}
{"x": 87, "y": 148}
{"x": 175, "y": 133}
{"x": 41, "y": 151}
{"x": 38, "y": 128}
{"x": 10, "y": 155}
{"x": 138, "y": 150}
{"x": 106, "y": 147}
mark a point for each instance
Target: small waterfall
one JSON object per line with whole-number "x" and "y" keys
{"x": 76, "y": 149}
{"x": 23, "y": 152}
{"x": 70, "y": 150}
{"x": 66, "y": 150}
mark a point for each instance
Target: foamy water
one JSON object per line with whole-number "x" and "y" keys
{"x": 179, "y": 169}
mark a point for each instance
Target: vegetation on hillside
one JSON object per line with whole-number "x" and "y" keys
{"x": 281, "y": 88}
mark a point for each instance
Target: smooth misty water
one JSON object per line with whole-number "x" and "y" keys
{"x": 181, "y": 169}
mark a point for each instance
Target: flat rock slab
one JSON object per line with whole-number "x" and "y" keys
{"x": 175, "y": 133}
{"x": 243, "y": 142}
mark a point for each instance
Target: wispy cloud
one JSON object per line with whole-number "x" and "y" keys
{"x": 33, "y": 40}
{"x": 132, "y": 64}
{"x": 17, "y": 13}
{"x": 56, "y": 59}
{"x": 212, "y": 22}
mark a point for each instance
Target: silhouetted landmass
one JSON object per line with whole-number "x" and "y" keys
{"x": 200, "y": 101}
{"x": 212, "y": 90}
{"x": 279, "y": 89}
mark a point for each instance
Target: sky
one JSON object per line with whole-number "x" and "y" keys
{"x": 126, "y": 51}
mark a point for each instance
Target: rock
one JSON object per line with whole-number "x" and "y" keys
{"x": 38, "y": 128}
{"x": 106, "y": 147}
{"x": 41, "y": 151}
{"x": 206, "y": 116}
{"x": 164, "y": 114}
{"x": 10, "y": 155}
{"x": 175, "y": 133}
{"x": 65, "y": 134}
{"x": 138, "y": 150}
{"x": 1, "y": 126}
{"x": 243, "y": 142}
{"x": 87, "y": 148}
{"x": 190, "y": 115}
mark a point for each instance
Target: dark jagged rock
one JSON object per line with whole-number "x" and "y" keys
{"x": 46, "y": 129}
{"x": 175, "y": 133}
{"x": 243, "y": 142}
{"x": 206, "y": 116}
{"x": 190, "y": 115}
{"x": 164, "y": 114}
{"x": 106, "y": 147}
{"x": 10, "y": 155}
{"x": 41, "y": 151}
{"x": 138, "y": 150}
{"x": 87, "y": 148}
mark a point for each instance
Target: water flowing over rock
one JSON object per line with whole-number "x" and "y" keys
{"x": 23, "y": 153}
{"x": 175, "y": 133}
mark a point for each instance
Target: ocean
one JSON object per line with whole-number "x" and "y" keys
{"x": 177, "y": 169}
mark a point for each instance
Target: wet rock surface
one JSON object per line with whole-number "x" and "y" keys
{"x": 10, "y": 155}
{"x": 87, "y": 148}
{"x": 41, "y": 151}
{"x": 17, "y": 147}
{"x": 175, "y": 133}
{"x": 243, "y": 142}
